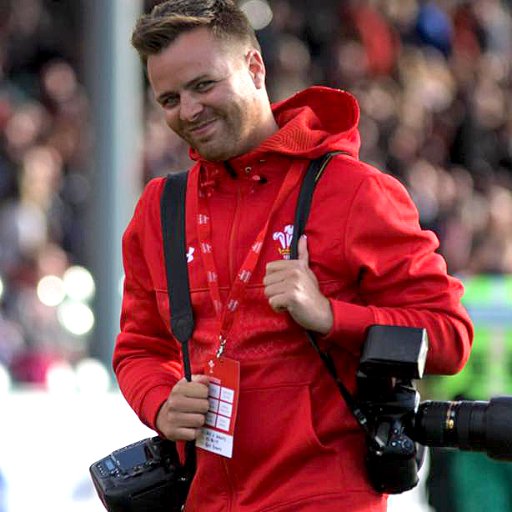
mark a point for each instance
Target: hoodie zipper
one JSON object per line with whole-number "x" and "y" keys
{"x": 232, "y": 238}
{"x": 232, "y": 268}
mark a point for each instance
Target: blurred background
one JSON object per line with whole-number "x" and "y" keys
{"x": 80, "y": 135}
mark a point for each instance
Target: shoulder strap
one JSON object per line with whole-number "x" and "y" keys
{"x": 172, "y": 212}
{"x": 313, "y": 174}
{"x": 172, "y": 207}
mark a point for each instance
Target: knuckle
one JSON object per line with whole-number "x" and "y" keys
{"x": 294, "y": 297}
{"x": 171, "y": 403}
{"x": 176, "y": 390}
{"x": 172, "y": 419}
{"x": 189, "y": 434}
{"x": 204, "y": 392}
{"x": 296, "y": 273}
{"x": 199, "y": 420}
{"x": 167, "y": 432}
{"x": 302, "y": 265}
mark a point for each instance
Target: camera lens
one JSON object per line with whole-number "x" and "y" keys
{"x": 468, "y": 425}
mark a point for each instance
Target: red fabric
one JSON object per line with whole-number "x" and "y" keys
{"x": 296, "y": 447}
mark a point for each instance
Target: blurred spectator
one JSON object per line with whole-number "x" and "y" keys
{"x": 43, "y": 179}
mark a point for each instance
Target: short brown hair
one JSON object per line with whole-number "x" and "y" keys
{"x": 157, "y": 30}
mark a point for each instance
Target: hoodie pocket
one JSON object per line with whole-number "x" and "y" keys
{"x": 277, "y": 453}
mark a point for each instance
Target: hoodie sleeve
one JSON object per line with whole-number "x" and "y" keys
{"x": 146, "y": 357}
{"x": 401, "y": 279}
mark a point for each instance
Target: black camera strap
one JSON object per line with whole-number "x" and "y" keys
{"x": 172, "y": 209}
{"x": 313, "y": 174}
{"x": 173, "y": 232}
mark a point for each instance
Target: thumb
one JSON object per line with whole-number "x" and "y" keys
{"x": 202, "y": 379}
{"x": 303, "y": 249}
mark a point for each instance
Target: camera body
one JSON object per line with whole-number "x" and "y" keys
{"x": 392, "y": 358}
{"x": 399, "y": 426}
{"x": 145, "y": 476}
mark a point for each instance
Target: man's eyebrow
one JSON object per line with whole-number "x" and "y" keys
{"x": 193, "y": 82}
{"x": 164, "y": 96}
{"x": 168, "y": 94}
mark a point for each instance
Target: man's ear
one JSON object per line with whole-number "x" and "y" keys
{"x": 256, "y": 68}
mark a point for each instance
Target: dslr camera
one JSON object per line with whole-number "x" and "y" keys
{"x": 399, "y": 426}
{"x": 145, "y": 476}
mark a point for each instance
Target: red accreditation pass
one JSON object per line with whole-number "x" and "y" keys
{"x": 218, "y": 433}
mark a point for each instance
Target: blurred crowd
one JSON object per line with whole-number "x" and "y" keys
{"x": 434, "y": 81}
{"x": 43, "y": 180}
{"x": 433, "y": 78}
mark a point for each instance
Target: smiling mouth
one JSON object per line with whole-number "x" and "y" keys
{"x": 202, "y": 128}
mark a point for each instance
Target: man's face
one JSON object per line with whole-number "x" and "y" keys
{"x": 209, "y": 91}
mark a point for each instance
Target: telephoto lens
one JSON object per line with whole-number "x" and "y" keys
{"x": 467, "y": 425}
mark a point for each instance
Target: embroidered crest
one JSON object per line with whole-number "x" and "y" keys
{"x": 285, "y": 240}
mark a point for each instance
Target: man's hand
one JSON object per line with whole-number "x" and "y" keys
{"x": 290, "y": 285}
{"x": 183, "y": 413}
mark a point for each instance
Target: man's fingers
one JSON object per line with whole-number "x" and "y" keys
{"x": 278, "y": 303}
{"x": 303, "y": 252}
{"x": 189, "y": 397}
{"x": 284, "y": 265}
{"x": 183, "y": 413}
{"x": 293, "y": 272}
{"x": 186, "y": 434}
{"x": 275, "y": 289}
{"x": 187, "y": 420}
{"x": 197, "y": 388}
{"x": 187, "y": 404}
{"x": 201, "y": 379}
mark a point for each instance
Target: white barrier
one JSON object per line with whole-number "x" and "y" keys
{"x": 48, "y": 441}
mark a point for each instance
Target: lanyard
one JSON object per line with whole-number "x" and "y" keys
{"x": 226, "y": 312}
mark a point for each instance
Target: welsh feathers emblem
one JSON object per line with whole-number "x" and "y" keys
{"x": 285, "y": 240}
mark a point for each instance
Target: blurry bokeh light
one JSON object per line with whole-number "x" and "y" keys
{"x": 5, "y": 380}
{"x": 60, "y": 378}
{"x": 92, "y": 376}
{"x": 50, "y": 291}
{"x": 258, "y": 13}
{"x": 76, "y": 317}
{"x": 79, "y": 284}
{"x": 2, "y": 288}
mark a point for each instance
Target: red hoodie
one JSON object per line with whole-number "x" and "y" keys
{"x": 296, "y": 446}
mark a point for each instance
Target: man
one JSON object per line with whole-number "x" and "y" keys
{"x": 296, "y": 446}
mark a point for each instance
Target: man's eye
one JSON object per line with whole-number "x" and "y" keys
{"x": 204, "y": 85}
{"x": 170, "y": 101}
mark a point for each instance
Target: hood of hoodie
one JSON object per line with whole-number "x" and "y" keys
{"x": 311, "y": 123}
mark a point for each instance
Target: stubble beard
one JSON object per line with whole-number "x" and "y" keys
{"x": 224, "y": 144}
{"x": 231, "y": 138}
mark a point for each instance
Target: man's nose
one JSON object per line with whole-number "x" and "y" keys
{"x": 190, "y": 107}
